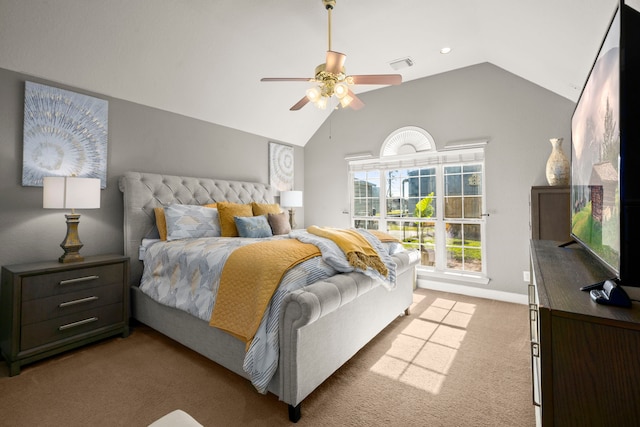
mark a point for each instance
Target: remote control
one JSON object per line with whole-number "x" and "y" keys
{"x": 593, "y": 286}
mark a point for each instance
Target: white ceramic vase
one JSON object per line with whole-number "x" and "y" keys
{"x": 557, "y": 164}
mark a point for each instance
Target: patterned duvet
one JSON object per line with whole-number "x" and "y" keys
{"x": 185, "y": 274}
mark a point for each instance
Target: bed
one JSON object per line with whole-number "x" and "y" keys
{"x": 319, "y": 326}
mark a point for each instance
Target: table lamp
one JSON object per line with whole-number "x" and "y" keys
{"x": 68, "y": 192}
{"x": 291, "y": 199}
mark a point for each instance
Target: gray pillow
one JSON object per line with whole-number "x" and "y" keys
{"x": 253, "y": 226}
{"x": 191, "y": 221}
{"x": 279, "y": 223}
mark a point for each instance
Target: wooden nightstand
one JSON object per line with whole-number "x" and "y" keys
{"x": 48, "y": 307}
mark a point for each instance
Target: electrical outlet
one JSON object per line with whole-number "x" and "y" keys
{"x": 526, "y": 276}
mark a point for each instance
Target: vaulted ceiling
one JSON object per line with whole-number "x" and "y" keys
{"x": 204, "y": 58}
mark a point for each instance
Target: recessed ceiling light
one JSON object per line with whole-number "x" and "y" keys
{"x": 445, "y": 50}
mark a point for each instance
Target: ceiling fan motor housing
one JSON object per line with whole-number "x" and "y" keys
{"x": 328, "y": 80}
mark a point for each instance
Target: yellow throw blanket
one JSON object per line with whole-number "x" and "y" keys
{"x": 384, "y": 237}
{"x": 249, "y": 278}
{"x": 356, "y": 248}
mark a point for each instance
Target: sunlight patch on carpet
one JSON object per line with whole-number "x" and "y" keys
{"x": 422, "y": 354}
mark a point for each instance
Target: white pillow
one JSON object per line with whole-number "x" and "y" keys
{"x": 191, "y": 221}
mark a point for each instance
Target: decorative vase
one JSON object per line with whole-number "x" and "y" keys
{"x": 557, "y": 164}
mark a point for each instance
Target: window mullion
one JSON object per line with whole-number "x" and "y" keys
{"x": 441, "y": 232}
{"x": 383, "y": 200}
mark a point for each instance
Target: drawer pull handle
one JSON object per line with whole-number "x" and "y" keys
{"x": 78, "y": 280}
{"x": 77, "y": 301}
{"x": 78, "y": 323}
{"x": 535, "y": 349}
{"x": 535, "y": 375}
{"x": 532, "y": 294}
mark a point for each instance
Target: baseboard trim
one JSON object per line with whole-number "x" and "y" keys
{"x": 473, "y": 291}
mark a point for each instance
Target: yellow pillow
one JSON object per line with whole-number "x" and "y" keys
{"x": 161, "y": 223}
{"x": 265, "y": 208}
{"x": 226, "y": 212}
{"x": 211, "y": 205}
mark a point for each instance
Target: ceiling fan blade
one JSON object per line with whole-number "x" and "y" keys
{"x": 299, "y": 104}
{"x": 377, "y": 79}
{"x": 335, "y": 62}
{"x": 286, "y": 79}
{"x": 357, "y": 103}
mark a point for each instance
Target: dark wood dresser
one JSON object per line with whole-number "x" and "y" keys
{"x": 550, "y": 213}
{"x": 585, "y": 356}
{"x": 48, "y": 307}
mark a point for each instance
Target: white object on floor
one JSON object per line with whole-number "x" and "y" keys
{"x": 177, "y": 418}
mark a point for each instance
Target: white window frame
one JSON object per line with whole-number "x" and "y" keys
{"x": 461, "y": 154}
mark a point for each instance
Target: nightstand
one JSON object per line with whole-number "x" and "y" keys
{"x": 48, "y": 307}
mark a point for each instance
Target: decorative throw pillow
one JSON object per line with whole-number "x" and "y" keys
{"x": 253, "y": 226}
{"x": 191, "y": 221}
{"x": 161, "y": 223}
{"x": 265, "y": 208}
{"x": 279, "y": 223}
{"x": 228, "y": 211}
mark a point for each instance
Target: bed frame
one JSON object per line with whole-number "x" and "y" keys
{"x": 321, "y": 326}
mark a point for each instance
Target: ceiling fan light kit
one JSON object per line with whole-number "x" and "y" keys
{"x": 332, "y": 80}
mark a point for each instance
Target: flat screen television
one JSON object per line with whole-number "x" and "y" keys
{"x": 605, "y": 152}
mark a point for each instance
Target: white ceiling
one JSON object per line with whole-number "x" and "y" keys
{"x": 204, "y": 58}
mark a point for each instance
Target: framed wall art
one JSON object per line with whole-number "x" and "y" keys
{"x": 65, "y": 134}
{"x": 281, "y": 166}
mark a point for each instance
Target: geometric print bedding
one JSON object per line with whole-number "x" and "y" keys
{"x": 191, "y": 221}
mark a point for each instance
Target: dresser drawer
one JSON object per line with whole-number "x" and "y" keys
{"x": 37, "y": 334}
{"x": 69, "y": 281}
{"x": 37, "y": 310}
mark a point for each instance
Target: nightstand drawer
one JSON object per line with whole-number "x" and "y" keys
{"x": 37, "y": 334}
{"x": 37, "y": 310}
{"x": 62, "y": 282}
{"x": 49, "y": 307}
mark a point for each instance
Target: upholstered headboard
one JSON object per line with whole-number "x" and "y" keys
{"x": 144, "y": 191}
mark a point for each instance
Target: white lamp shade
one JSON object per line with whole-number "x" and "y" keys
{"x": 62, "y": 192}
{"x": 291, "y": 199}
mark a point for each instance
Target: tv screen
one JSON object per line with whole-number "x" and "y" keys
{"x": 595, "y": 155}
{"x": 605, "y": 151}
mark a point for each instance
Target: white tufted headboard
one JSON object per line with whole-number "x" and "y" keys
{"x": 144, "y": 191}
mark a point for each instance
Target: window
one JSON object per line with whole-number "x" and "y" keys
{"x": 463, "y": 217}
{"x": 366, "y": 200}
{"x": 432, "y": 201}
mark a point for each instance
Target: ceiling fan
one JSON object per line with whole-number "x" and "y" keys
{"x": 332, "y": 79}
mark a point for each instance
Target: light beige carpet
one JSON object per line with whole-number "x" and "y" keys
{"x": 455, "y": 361}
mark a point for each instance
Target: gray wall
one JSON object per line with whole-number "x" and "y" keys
{"x": 140, "y": 139}
{"x": 482, "y": 101}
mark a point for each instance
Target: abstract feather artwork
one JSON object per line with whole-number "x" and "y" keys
{"x": 281, "y": 166}
{"x": 65, "y": 134}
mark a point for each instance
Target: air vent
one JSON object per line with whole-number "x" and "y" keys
{"x": 399, "y": 64}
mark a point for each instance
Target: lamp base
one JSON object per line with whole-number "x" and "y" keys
{"x": 71, "y": 243}
{"x": 292, "y": 220}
